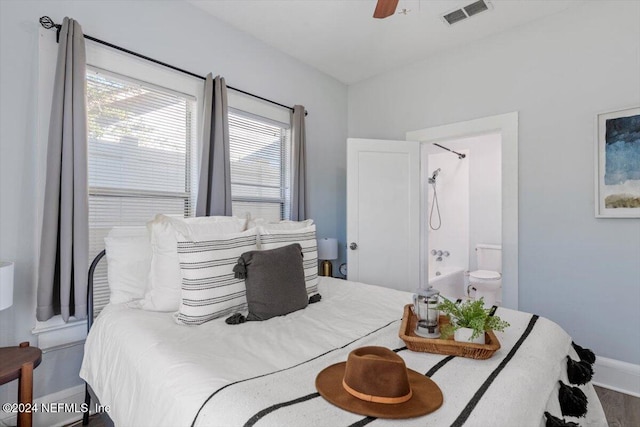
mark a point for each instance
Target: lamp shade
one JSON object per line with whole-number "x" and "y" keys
{"x": 328, "y": 248}
{"x": 6, "y": 284}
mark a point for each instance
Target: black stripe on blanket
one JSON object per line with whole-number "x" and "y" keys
{"x": 270, "y": 409}
{"x": 433, "y": 370}
{"x": 363, "y": 422}
{"x": 466, "y": 412}
{"x": 290, "y": 367}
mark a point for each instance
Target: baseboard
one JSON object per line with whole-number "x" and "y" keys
{"x": 73, "y": 397}
{"x": 617, "y": 375}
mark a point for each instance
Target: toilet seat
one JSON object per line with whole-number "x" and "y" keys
{"x": 485, "y": 275}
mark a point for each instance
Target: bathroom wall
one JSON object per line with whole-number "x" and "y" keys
{"x": 485, "y": 193}
{"x": 469, "y": 196}
{"x": 484, "y": 156}
{"x": 450, "y": 230}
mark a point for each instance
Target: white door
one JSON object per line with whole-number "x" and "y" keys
{"x": 383, "y": 212}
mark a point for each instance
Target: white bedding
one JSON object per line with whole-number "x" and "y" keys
{"x": 154, "y": 372}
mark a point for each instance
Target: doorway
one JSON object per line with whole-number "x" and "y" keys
{"x": 463, "y": 208}
{"x": 506, "y": 125}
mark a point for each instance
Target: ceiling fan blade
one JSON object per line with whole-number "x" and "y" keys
{"x": 385, "y": 8}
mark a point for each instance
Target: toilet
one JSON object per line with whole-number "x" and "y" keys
{"x": 486, "y": 281}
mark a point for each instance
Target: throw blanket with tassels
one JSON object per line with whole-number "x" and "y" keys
{"x": 535, "y": 379}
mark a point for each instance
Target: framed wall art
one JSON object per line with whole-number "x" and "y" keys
{"x": 617, "y": 188}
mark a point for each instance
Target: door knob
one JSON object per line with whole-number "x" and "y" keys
{"x": 353, "y": 246}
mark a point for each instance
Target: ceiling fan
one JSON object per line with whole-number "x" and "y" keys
{"x": 385, "y": 8}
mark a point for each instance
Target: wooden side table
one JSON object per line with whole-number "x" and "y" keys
{"x": 19, "y": 362}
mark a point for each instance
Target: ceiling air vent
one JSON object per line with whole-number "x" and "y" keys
{"x": 455, "y": 16}
{"x": 475, "y": 8}
{"x": 466, "y": 12}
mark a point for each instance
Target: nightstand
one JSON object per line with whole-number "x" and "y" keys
{"x": 19, "y": 362}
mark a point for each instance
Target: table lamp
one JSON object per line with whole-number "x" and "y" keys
{"x": 6, "y": 284}
{"x": 327, "y": 251}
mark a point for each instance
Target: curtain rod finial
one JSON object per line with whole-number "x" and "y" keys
{"x": 47, "y": 22}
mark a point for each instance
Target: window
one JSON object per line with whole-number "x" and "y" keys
{"x": 259, "y": 155}
{"x": 141, "y": 145}
{"x": 143, "y": 155}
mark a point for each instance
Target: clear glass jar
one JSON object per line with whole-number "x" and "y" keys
{"x": 425, "y": 306}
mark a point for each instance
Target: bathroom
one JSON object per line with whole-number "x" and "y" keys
{"x": 462, "y": 187}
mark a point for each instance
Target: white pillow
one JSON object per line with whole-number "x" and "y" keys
{"x": 128, "y": 262}
{"x": 306, "y": 237}
{"x": 282, "y": 225}
{"x": 163, "y": 285}
{"x": 209, "y": 288}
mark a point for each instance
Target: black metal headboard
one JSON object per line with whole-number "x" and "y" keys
{"x": 92, "y": 269}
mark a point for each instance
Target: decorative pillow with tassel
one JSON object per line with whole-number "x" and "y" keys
{"x": 275, "y": 281}
{"x": 306, "y": 237}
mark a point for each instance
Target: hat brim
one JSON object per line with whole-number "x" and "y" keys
{"x": 426, "y": 398}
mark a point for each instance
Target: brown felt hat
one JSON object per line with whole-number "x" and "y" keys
{"x": 374, "y": 381}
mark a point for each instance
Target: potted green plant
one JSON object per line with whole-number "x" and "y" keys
{"x": 469, "y": 320}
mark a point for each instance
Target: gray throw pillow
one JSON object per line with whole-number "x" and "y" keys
{"x": 275, "y": 281}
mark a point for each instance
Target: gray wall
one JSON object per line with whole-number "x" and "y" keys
{"x": 559, "y": 72}
{"x": 174, "y": 32}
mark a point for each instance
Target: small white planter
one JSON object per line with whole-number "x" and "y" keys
{"x": 464, "y": 335}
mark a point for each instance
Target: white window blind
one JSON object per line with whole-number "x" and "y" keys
{"x": 142, "y": 140}
{"x": 260, "y": 172}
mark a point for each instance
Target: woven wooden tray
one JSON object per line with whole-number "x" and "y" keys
{"x": 442, "y": 346}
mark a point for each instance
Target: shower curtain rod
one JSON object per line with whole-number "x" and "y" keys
{"x": 460, "y": 155}
{"x": 48, "y": 24}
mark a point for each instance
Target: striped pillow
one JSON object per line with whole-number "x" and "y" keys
{"x": 306, "y": 237}
{"x": 209, "y": 288}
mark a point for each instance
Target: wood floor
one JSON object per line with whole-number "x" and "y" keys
{"x": 621, "y": 410}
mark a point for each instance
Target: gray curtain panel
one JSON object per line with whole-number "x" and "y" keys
{"x": 298, "y": 156}
{"x": 62, "y": 280}
{"x": 214, "y": 189}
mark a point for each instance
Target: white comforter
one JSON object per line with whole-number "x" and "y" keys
{"x": 154, "y": 372}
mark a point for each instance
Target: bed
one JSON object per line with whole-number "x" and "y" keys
{"x": 162, "y": 354}
{"x": 151, "y": 371}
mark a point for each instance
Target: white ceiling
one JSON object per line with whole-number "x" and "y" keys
{"x": 342, "y": 39}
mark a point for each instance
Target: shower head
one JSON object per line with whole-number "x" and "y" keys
{"x": 432, "y": 179}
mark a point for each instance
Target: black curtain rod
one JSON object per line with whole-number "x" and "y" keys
{"x": 48, "y": 23}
